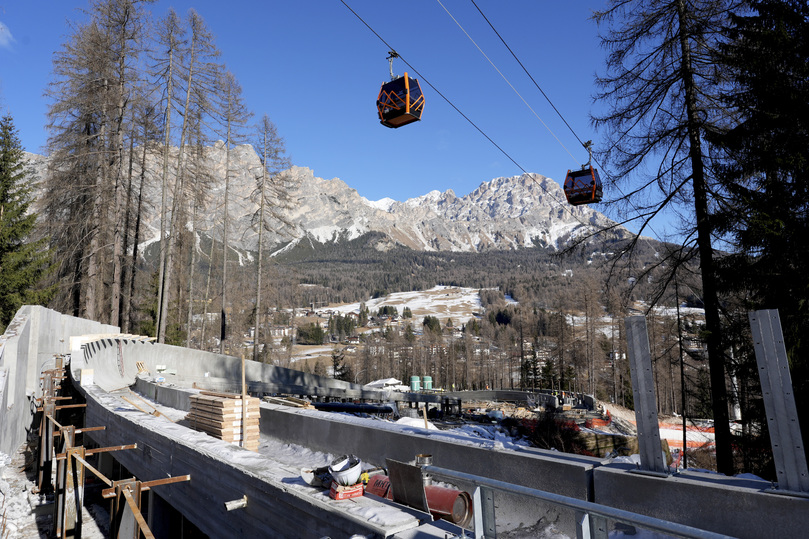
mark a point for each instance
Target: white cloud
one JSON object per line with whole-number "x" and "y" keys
{"x": 6, "y": 39}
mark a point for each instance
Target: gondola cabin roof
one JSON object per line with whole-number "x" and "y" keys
{"x": 583, "y": 186}
{"x": 400, "y": 102}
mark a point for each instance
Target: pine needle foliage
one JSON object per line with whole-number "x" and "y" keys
{"x": 23, "y": 259}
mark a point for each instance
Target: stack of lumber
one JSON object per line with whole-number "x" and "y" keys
{"x": 220, "y": 415}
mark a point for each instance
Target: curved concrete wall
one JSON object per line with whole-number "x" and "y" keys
{"x": 28, "y": 347}
{"x": 114, "y": 360}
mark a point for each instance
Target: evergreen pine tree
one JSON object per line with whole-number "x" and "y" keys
{"x": 766, "y": 173}
{"x": 23, "y": 260}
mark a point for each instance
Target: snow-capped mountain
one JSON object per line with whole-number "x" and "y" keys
{"x": 504, "y": 213}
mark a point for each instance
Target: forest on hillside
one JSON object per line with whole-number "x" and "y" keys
{"x": 350, "y": 271}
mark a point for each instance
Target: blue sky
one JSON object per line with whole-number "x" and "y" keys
{"x": 315, "y": 69}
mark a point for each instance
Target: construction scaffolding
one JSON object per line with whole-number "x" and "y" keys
{"x": 67, "y": 485}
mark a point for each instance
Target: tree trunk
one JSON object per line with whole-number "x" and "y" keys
{"x": 257, "y": 324}
{"x": 127, "y": 268}
{"x": 225, "y": 239}
{"x": 161, "y": 289}
{"x": 136, "y": 232}
{"x": 719, "y": 399}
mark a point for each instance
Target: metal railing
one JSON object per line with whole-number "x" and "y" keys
{"x": 591, "y": 518}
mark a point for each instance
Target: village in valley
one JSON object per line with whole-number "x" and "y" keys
{"x": 448, "y": 335}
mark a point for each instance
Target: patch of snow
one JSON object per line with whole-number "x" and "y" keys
{"x": 383, "y": 204}
{"x": 325, "y": 233}
{"x": 430, "y": 199}
{"x": 443, "y": 302}
{"x": 142, "y": 246}
{"x": 287, "y": 247}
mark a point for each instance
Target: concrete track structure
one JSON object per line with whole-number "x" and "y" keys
{"x": 279, "y": 503}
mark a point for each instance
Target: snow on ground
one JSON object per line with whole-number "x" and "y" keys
{"x": 302, "y": 352}
{"x": 443, "y": 302}
{"x": 17, "y": 518}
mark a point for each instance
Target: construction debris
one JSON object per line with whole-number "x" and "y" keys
{"x": 289, "y": 401}
{"x": 220, "y": 415}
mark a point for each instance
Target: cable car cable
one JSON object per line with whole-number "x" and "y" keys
{"x": 654, "y": 232}
{"x": 508, "y": 81}
{"x": 562, "y": 204}
{"x": 416, "y": 71}
{"x": 580, "y": 186}
{"x": 548, "y": 99}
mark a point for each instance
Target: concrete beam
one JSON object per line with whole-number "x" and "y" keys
{"x": 737, "y": 507}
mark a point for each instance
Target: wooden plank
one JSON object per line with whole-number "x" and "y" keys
{"x": 225, "y": 414}
{"x": 225, "y": 429}
{"x": 288, "y": 401}
{"x": 191, "y": 417}
{"x": 220, "y": 398}
{"x": 224, "y": 424}
{"x": 224, "y": 395}
{"x": 225, "y": 409}
{"x": 213, "y": 402}
{"x": 251, "y": 416}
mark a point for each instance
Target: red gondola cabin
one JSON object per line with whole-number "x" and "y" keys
{"x": 400, "y": 102}
{"x": 583, "y": 186}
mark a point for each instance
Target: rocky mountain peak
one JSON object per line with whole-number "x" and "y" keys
{"x": 505, "y": 213}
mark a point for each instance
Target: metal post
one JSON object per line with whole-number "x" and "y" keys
{"x": 589, "y": 526}
{"x": 483, "y": 513}
{"x": 643, "y": 389}
{"x": 779, "y": 401}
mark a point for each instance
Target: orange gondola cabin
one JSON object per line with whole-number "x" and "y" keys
{"x": 400, "y": 102}
{"x": 583, "y": 186}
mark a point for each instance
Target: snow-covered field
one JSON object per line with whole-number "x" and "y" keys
{"x": 443, "y": 302}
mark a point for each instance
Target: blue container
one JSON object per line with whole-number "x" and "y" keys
{"x": 428, "y": 382}
{"x": 415, "y": 384}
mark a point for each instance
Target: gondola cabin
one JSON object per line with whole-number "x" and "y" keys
{"x": 400, "y": 102}
{"x": 583, "y": 186}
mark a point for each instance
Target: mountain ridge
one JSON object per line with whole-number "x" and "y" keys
{"x": 504, "y": 213}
